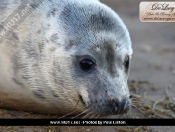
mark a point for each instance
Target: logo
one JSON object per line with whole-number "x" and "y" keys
{"x": 157, "y": 11}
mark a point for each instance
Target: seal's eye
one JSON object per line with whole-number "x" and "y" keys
{"x": 126, "y": 63}
{"x": 87, "y": 63}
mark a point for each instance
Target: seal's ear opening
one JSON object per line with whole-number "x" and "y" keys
{"x": 130, "y": 96}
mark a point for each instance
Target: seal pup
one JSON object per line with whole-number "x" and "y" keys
{"x": 67, "y": 56}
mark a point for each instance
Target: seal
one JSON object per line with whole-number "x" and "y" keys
{"x": 67, "y": 56}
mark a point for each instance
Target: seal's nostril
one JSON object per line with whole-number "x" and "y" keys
{"x": 119, "y": 107}
{"x": 114, "y": 105}
{"x": 122, "y": 105}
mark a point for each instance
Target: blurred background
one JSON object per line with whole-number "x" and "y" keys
{"x": 153, "y": 58}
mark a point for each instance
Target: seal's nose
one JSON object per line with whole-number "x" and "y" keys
{"x": 121, "y": 107}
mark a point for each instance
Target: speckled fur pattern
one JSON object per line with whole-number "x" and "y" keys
{"x": 38, "y": 61}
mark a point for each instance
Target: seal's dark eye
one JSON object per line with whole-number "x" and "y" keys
{"x": 87, "y": 64}
{"x": 126, "y": 63}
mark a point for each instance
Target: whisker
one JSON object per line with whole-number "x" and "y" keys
{"x": 71, "y": 112}
{"x": 68, "y": 114}
{"x": 87, "y": 115}
{"x": 111, "y": 112}
{"x": 130, "y": 115}
{"x": 79, "y": 114}
{"x": 133, "y": 112}
{"x": 98, "y": 115}
{"x": 93, "y": 115}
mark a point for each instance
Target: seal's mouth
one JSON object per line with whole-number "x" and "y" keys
{"x": 119, "y": 107}
{"x": 108, "y": 107}
{"x": 81, "y": 100}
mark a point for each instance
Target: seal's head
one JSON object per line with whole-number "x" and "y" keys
{"x": 78, "y": 59}
{"x": 100, "y": 47}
